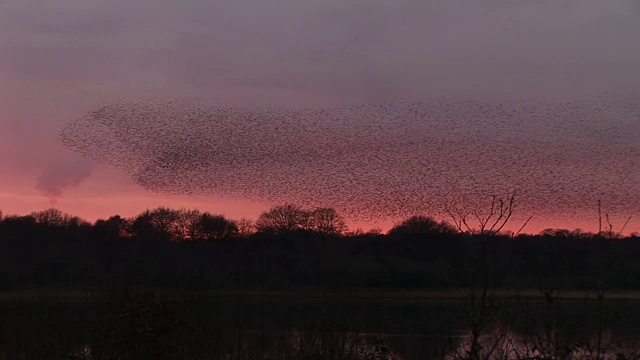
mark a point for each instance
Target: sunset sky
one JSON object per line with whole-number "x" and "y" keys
{"x": 60, "y": 60}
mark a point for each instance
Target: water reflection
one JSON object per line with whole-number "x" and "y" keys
{"x": 303, "y": 344}
{"x": 502, "y": 343}
{"x": 498, "y": 343}
{"x": 148, "y": 327}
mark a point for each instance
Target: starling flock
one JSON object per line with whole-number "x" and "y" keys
{"x": 382, "y": 161}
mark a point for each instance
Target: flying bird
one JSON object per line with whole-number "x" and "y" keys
{"x": 380, "y": 161}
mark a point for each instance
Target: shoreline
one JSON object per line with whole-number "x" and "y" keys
{"x": 367, "y": 295}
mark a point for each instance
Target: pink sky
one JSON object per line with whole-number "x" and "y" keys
{"x": 62, "y": 59}
{"x": 106, "y": 193}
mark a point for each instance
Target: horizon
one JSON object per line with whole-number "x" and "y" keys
{"x": 532, "y": 227}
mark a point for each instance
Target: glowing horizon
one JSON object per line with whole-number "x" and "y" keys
{"x": 83, "y": 202}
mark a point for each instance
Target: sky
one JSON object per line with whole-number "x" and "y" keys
{"x": 60, "y": 60}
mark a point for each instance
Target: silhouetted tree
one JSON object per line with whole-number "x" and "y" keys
{"x": 161, "y": 223}
{"x": 56, "y": 218}
{"x": 422, "y": 225}
{"x": 15, "y": 220}
{"x": 325, "y": 221}
{"x": 566, "y": 234}
{"x": 196, "y": 225}
{"x": 216, "y": 227}
{"x": 141, "y": 225}
{"x": 112, "y": 228}
{"x": 188, "y": 224}
{"x": 358, "y": 232}
{"x": 246, "y": 227}
{"x": 281, "y": 219}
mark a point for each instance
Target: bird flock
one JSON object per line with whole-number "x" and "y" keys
{"x": 380, "y": 161}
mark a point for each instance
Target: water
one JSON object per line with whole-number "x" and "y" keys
{"x": 252, "y": 327}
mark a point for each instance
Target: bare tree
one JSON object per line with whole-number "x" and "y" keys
{"x": 161, "y": 222}
{"x": 325, "y": 221}
{"x": 114, "y": 227}
{"x": 281, "y": 219}
{"x": 246, "y": 227}
{"x": 196, "y": 225}
{"x": 216, "y": 227}
{"x": 188, "y": 224}
{"x": 483, "y": 225}
{"x": 55, "y": 217}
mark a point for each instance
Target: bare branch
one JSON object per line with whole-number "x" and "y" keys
{"x": 610, "y": 225}
{"x": 456, "y": 220}
{"x": 624, "y": 226}
{"x": 505, "y": 214}
{"x": 491, "y": 213}
{"x": 506, "y": 220}
{"x": 480, "y": 221}
{"x": 599, "y": 218}
{"x": 463, "y": 217}
{"x": 523, "y": 226}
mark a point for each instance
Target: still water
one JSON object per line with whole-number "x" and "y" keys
{"x": 252, "y": 327}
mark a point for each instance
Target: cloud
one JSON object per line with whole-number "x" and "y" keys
{"x": 55, "y": 179}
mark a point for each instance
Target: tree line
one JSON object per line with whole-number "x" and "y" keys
{"x": 181, "y": 225}
{"x": 290, "y": 246}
